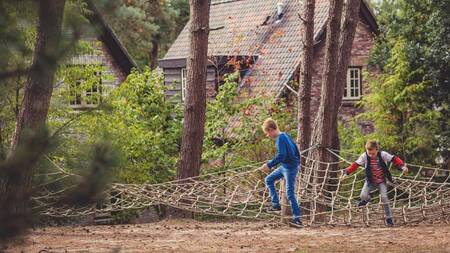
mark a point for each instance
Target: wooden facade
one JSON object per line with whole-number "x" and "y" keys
{"x": 110, "y": 55}
{"x": 218, "y": 68}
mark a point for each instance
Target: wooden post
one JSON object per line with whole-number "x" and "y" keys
{"x": 286, "y": 211}
{"x": 306, "y": 71}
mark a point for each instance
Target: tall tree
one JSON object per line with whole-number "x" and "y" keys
{"x": 321, "y": 135}
{"x": 348, "y": 30}
{"x": 306, "y": 70}
{"x": 323, "y": 123}
{"x": 15, "y": 55}
{"x": 409, "y": 100}
{"x": 338, "y": 50}
{"x": 195, "y": 103}
{"x": 146, "y": 25}
{"x": 35, "y": 104}
{"x": 39, "y": 86}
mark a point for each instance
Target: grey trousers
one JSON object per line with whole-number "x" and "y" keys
{"x": 367, "y": 188}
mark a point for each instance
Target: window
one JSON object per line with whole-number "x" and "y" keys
{"x": 183, "y": 83}
{"x": 83, "y": 98}
{"x": 92, "y": 94}
{"x": 75, "y": 95}
{"x": 352, "y": 89}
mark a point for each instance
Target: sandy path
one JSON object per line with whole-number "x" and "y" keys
{"x": 239, "y": 236}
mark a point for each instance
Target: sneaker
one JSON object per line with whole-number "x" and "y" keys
{"x": 363, "y": 203}
{"x": 296, "y": 223}
{"x": 389, "y": 222}
{"x": 274, "y": 209}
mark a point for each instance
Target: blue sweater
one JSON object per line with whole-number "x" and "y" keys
{"x": 287, "y": 153}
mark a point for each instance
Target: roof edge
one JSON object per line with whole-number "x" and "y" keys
{"x": 223, "y": 2}
{"x": 370, "y": 16}
{"x": 366, "y": 13}
{"x": 110, "y": 39}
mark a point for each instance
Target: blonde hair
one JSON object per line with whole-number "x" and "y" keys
{"x": 372, "y": 144}
{"x": 269, "y": 123}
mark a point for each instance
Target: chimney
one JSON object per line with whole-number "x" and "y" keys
{"x": 280, "y": 11}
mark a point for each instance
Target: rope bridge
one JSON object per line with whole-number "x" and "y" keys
{"x": 424, "y": 195}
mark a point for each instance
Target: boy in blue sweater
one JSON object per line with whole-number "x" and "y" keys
{"x": 289, "y": 158}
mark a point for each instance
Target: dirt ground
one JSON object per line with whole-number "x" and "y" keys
{"x": 237, "y": 236}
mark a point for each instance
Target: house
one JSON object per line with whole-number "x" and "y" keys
{"x": 262, "y": 39}
{"x": 107, "y": 53}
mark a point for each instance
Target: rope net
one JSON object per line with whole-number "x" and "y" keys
{"x": 422, "y": 195}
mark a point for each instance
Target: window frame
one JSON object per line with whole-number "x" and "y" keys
{"x": 75, "y": 98}
{"x": 84, "y": 95}
{"x": 348, "y": 84}
{"x": 183, "y": 83}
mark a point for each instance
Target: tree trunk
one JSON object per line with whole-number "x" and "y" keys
{"x": 304, "y": 92}
{"x": 304, "y": 89}
{"x": 322, "y": 135}
{"x": 325, "y": 127}
{"x": 323, "y": 122}
{"x": 17, "y": 98}
{"x": 15, "y": 187}
{"x": 2, "y": 149}
{"x": 154, "y": 54}
{"x": 348, "y": 30}
{"x": 286, "y": 210}
{"x": 39, "y": 86}
{"x": 195, "y": 102}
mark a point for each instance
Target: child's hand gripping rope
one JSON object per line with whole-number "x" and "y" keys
{"x": 343, "y": 175}
{"x": 404, "y": 170}
{"x": 264, "y": 168}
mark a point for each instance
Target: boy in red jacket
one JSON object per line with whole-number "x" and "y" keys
{"x": 375, "y": 163}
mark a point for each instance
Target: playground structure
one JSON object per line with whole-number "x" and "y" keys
{"x": 421, "y": 196}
